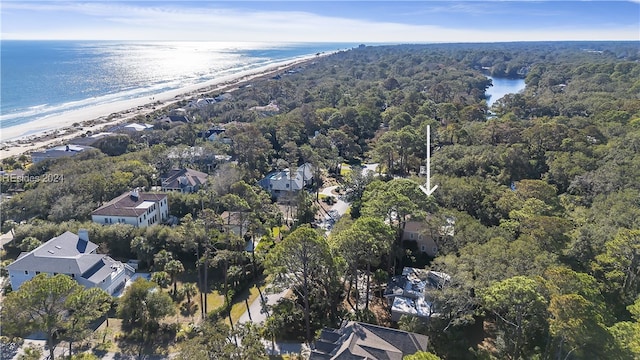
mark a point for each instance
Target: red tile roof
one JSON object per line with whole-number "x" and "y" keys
{"x": 125, "y": 205}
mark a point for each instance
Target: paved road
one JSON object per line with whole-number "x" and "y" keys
{"x": 255, "y": 313}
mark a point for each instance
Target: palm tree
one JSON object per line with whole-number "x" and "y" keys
{"x": 174, "y": 267}
{"x": 190, "y": 290}
{"x": 161, "y": 278}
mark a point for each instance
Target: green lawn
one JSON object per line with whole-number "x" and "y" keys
{"x": 214, "y": 300}
{"x": 276, "y": 231}
{"x": 345, "y": 169}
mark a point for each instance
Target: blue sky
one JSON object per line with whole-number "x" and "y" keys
{"x": 330, "y": 21}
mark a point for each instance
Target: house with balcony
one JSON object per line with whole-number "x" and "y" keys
{"x": 72, "y": 255}
{"x": 140, "y": 209}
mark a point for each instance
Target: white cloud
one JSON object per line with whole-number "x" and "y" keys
{"x": 122, "y": 21}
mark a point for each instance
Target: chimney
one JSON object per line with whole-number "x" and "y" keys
{"x": 83, "y": 240}
{"x": 83, "y": 235}
{"x": 134, "y": 194}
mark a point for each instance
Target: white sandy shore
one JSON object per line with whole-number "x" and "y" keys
{"x": 54, "y": 130}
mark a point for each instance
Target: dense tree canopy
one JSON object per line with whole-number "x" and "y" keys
{"x": 543, "y": 188}
{"x": 54, "y": 305}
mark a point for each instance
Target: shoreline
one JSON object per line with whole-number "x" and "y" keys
{"x": 24, "y": 138}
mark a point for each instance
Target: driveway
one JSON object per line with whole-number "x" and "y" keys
{"x": 340, "y": 206}
{"x": 256, "y": 314}
{"x": 336, "y": 211}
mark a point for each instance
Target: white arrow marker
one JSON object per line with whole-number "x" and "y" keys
{"x": 426, "y": 188}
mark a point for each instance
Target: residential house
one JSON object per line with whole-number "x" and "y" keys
{"x": 132, "y": 128}
{"x": 72, "y": 255}
{"x": 425, "y": 234}
{"x": 216, "y": 133}
{"x": 201, "y": 103}
{"x": 90, "y": 140}
{"x": 236, "y": 222}
{"x": 176, "y": 116}
{"x": 281, "y": 182}
{"x": 406, "y": 293}
{"x": 136, "y": 208}
{"x": 184, "y": 180}
{"x": 197, "y": 155}
{"x": 362, "y": 341}
{"x": 58, "y": 152}
{"x": 266, "y": 110}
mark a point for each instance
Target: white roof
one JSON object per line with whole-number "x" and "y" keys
{"x": 408, "y": 306}
{"x": 138, "y": 127}
{"x": 70, "y": 146}
{"x": 145, "y": 205}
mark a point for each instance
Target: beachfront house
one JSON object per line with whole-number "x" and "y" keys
{"x": 201, "y": 103}
{"x": 178, "y": 115}
{"x": 358, "y": 340}
{"x": 132, "y": 128}
{"x": 136, "y": 208}
{"x": 90, "y": 140}
{"x": 72, "y": 255}
{"x": 184, "y": 180}
{"x": 58, "y": 152}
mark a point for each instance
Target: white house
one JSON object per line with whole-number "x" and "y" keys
{"x": 72, "y": 255}
{"x": 136, "y": 208}
{"x": 281, "y": 182}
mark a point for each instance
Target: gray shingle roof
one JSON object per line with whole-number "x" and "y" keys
{"x": 366, "y": 341}
{"x": 65, "y": 254}
{"x": 101, "y": 269}
{"x": 180, "y": 178}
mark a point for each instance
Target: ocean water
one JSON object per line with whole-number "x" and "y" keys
{"x": 40, "y": 79}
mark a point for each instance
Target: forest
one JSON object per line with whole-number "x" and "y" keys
{"x": 544, "y": 187}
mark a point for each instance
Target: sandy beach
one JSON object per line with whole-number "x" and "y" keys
{"x": 55, "y": 130}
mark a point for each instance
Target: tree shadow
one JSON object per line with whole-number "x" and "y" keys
{"x": 155, "y": 345}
